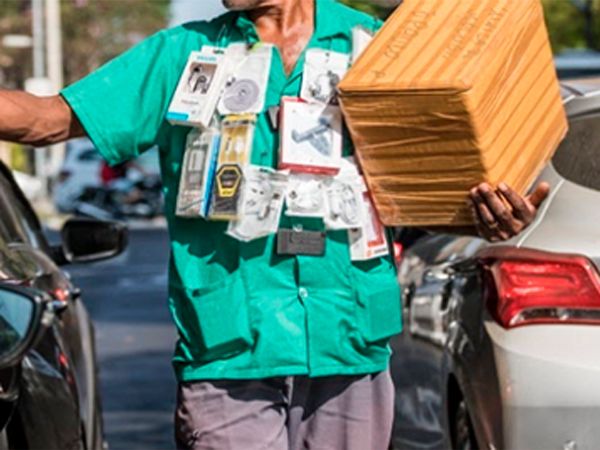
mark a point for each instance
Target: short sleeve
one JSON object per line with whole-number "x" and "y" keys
{"x": 122, "y": 105}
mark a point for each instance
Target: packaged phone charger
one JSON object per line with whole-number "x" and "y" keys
{"x": 197, "y": 173}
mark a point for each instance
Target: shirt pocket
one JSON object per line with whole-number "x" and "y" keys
{"x": 220, "y": 321}
{"x": 378, "y": 305}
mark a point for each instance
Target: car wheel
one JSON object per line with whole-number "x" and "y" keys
{"x": 463, "y": 429}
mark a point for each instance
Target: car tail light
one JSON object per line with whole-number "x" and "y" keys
{"x": 532, "y": 287}
{"x": 60, "y": 294}
{"x": 398, "y": 249}
{"x": 63, "y": 176}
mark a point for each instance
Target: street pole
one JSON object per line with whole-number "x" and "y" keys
{"x": 55, "y": 69}
{"x": 39, "y": 71}
{"x": 37, "y": 13}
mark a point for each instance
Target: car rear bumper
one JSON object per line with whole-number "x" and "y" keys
{"x": 549, "y": 385}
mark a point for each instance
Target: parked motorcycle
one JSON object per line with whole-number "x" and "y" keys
{"x": 123, "y": 199}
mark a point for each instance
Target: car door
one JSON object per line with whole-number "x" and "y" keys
{"x": 48, "y": 410}
{"x": 419, "y": 361}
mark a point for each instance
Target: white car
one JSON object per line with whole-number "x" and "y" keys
{"x": 32, "y": 187}
{"x": 80, "y": 170}
{"x": 501, "y": 348}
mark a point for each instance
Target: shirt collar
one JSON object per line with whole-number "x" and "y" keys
{"x": 327, "y": 21}
{"x": 327, "y": 25}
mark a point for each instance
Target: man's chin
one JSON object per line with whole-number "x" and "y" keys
{"x": 241, "y": 5}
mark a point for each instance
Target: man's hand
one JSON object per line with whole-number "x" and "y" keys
{"x": 501, "y": 214}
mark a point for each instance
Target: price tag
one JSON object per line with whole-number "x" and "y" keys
{"x": 308, "y": 243}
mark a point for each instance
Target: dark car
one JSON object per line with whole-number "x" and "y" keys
{"x": 501, "y": 347}
{"x": 48, "y": 375}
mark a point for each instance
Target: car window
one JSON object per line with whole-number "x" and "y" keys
{"x": 11, "y": 267}
{"x": 15, "y": 216}
{"x": 578, "y": 157}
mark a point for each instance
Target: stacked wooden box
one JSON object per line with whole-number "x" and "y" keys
{"x": 449, "y": 94}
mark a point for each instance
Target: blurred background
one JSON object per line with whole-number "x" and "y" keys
{"x": 48, "y": 44}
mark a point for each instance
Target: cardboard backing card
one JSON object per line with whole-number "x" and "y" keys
{"x": 361, "y": 38}
{"x": 261, "y": 203}
{"x": 323, "y": 70}
{"x": 197, "y": 173}
{"x": 310, "y": 137}
{"x": 369, "y": 241}
{"x": 247, "y": 79}
{"x": 237, "y": 135}
{"x": 199, "y": 89}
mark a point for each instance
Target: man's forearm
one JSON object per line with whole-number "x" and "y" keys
{"x": 37, "y": 121}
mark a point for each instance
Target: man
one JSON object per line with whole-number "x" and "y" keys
{"x": 276, "y": 351}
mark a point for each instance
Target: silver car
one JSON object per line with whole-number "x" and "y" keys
{"x": 501, "y": 347}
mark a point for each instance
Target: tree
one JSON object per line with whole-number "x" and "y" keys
{"x": 565, "y": 25}
{"x": 94, "y": 31}
{"x": 103, "y": 29}
{"x": 571, "y": 23}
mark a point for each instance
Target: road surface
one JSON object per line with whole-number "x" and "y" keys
{"x": 127, "y": 299}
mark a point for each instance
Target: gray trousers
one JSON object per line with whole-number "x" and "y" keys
{"x": 287, "y": 413}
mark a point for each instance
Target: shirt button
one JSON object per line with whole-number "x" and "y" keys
{"x": 298, "y": 228}
{"x": 303, "y": 293}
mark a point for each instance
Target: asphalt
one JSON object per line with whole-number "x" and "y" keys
{"x": 127, "y": 299}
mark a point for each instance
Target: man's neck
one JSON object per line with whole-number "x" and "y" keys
{"x": 283, "y": 17}
{"x": 288, "y": 24}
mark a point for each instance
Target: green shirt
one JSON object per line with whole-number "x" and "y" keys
{"x": 241, "y": 310}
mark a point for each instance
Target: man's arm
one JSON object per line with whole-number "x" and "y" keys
{"x": 37, "y": 121}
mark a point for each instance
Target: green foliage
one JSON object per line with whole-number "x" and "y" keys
{"x": 94, "y": 31}
{"x": 565, "y": 24}
{"x": 369, "y": 7}
{"x": 566, "y": 20}
{"x": 20, "y": 158}
{"x": 103, "y": 29}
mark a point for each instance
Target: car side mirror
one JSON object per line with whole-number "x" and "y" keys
{"x": 89, "y": 240}
{"x": 23, "y": 315}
